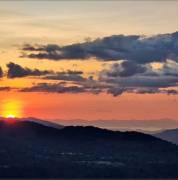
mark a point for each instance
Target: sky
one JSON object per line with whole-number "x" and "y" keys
{"x": 89, "y": 59}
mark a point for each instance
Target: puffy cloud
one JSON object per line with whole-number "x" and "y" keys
{"x": 170, "y": 68}
{"x": 132, "y": 71}
{"x": 139, "y": 49}
{"x": 140, "y": 79}
{"x": 139, "y": 75}
{"x": 15, "y": 70}
{"x": 126, "y": 68}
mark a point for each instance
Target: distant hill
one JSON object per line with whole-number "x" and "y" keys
{"x": 138, "y": 125}
{"x": 32, "y": 119}
{"x": 33, "y": 150}
{"x": 169, "y": 135}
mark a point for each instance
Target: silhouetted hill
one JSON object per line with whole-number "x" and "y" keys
{"x": 138, "y": 125}
{"x": 169, "y": 135}
{"x": 32, "y": 150}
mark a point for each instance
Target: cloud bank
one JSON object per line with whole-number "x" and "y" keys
{"x": 132, "y": 69}
{"x": 137, "y": 48}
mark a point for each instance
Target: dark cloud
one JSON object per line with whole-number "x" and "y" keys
{"x": 60, "y": 88}
{"x": 55, "y": 52}
{"x": 48, "y": 48}
{"x": 72, "y": 72}
{"x": 135, "y": 48}
{"x": 146, "y": 90}
{"x": 172, "y": 92}
{"x": 126, "y": 68}
{"x": 57, "y": 88}
{"x": 116, "y": 91}
{"x": 75, "y": 89}
{"x": 65, "y": 77}
{"x": 143, "y": 81}
{"x": 139, "y": 75}
{"x": 1, "y": 72}
{"x": 170, "y": 68}
{"x": 132, "y": 73}
{"x": 15, "y": 70}
{"x": 140, "y": 79}
{"x": 68, "y": 75}
{"x": 5, "y": 88}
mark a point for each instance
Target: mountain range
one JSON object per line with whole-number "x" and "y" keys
{"x": 148, "y": 126}
{"x": 32, "y": 149}
{"x": 170, "y": 135}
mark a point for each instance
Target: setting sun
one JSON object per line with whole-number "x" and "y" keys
{"x": 10, "y": 116}
{"x": 11, "y": 108}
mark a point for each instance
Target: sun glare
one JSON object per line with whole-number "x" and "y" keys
{"x": 10, "y": 116}
{"x": 11, "y": 108}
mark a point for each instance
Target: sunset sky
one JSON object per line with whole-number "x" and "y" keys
{"x": 89, "y": 60}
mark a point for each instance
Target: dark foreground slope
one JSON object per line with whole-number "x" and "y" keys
{"x": 31, "y": 150}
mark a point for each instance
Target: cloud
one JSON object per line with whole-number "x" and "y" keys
{"x": 140, "y": 78}
{"x": 68, "y": 75}
{"x": 60, "y": 88}
{"x": 170, "y": 68}
{"x": 141, "y": 75}
{"x": 5, "y": 88}
{"x": 172, "y": 92}
{"x": 116, "y": 91}
{"x": 65, "y": 77}
{"x": 143, "y": 81}
{"x": 132, "y": 69}
{"x": 1, "y": 72}
{"x": 55, "y": 52}
{"x": 126, "y": 68}
{"x": 15, "y": 70}
{"x": 122, "y": 77}
{"x": 140, "y": 49}
{"x": 57, "y": 88}
{"x": 97, "y": 89}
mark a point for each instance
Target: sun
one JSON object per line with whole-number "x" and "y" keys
{"x": 11, "y": 108}
{"x": 10, "y": 116}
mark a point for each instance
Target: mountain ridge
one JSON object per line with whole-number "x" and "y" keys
{"x": 32, "y": 150}
{"x": 170, "y": 135}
